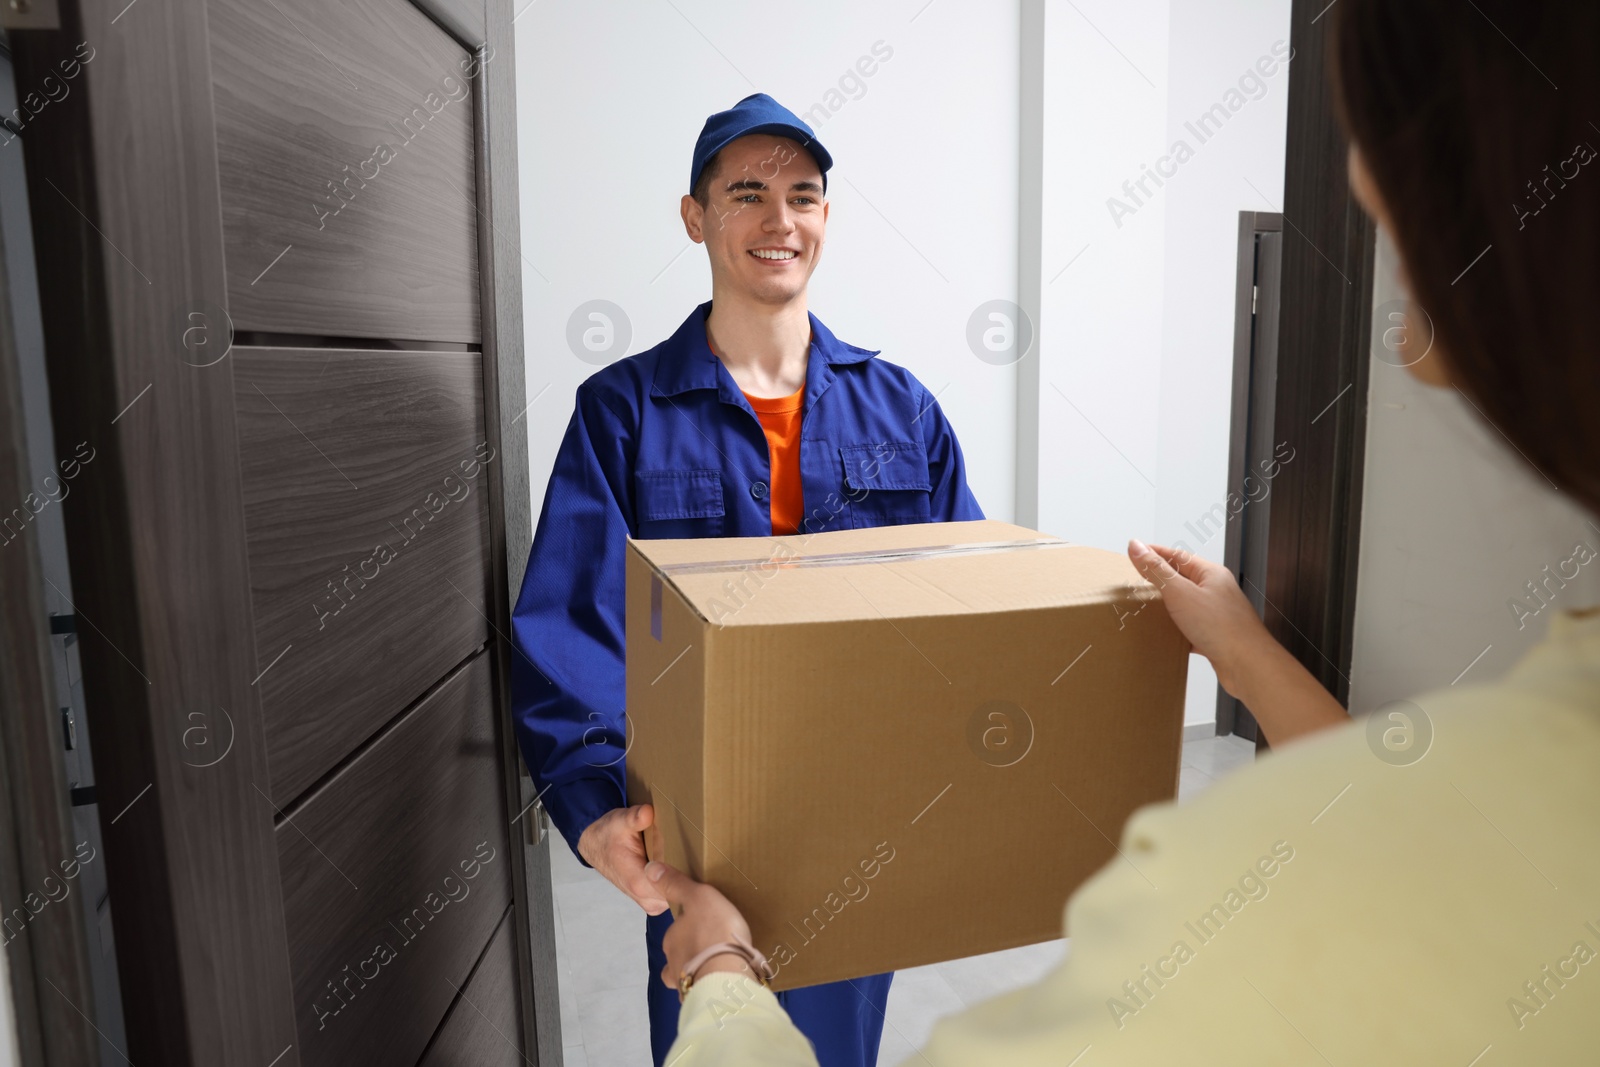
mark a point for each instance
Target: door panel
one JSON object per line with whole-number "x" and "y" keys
{"x": 344, "y": 145}
{"x": 395, "y": 874}
{"x": 366, "y": 514}
{"x": 122, "y": 180}
{"x": 482, "y": 1028}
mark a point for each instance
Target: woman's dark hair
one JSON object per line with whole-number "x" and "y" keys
{"x": 1477, "y": 121}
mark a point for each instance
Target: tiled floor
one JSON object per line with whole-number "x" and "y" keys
{"x": 600, "y": 945}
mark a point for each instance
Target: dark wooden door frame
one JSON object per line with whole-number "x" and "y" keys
{"x": 511, "y": 507}
{"x": 1321, "y": 397}
{"x": 1251, "y": 446}
{"x": 485, "y": 27}
{"x": 46, "y": 950}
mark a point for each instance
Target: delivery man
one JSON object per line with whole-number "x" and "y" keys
{"x": 751, "y": 420}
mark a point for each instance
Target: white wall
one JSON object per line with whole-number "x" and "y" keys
{"x": 1216, "y": 46}
{"x": 1134, "y": 337}
{"x": 922, "y": 228}
{"x": 1453, "y": 527}
{"x": 1100, "y": 316}
{"x": 1137, "y": 334}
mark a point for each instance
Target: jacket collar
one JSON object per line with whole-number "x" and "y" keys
{"x": 686, "y": 361}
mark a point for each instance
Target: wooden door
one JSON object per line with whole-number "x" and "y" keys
{"x": 279, "y": 276}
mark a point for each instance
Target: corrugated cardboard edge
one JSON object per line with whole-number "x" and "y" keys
{"x": 672, "y": 823}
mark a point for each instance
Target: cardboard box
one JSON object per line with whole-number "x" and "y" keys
{"x": 896, "y": 746}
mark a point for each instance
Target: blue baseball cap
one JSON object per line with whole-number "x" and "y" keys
{"x": 756, "y": 113}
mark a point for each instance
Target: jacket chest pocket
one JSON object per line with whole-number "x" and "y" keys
{"x": 678, "y": 503}
{"x": 886, "y": 483}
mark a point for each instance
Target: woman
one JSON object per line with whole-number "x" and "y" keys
{"x": 1327, "y": 906}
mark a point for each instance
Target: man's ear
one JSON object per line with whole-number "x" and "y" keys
{"x": 693, "y": 218}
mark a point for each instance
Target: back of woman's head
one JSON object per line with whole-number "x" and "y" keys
{"x": 1477, "y": 120}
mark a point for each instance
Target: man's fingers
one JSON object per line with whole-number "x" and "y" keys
{"x": 640, "y": 816}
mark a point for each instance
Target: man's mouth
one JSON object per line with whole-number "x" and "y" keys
{"x": 774, "y": 253}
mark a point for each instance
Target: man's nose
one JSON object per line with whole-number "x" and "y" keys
{"x": 780, "y": 219}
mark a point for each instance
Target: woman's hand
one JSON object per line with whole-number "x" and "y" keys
{"x": 1221, "y": 624}
{"x": 1207, "y": 605}
{"x": 704, "y": 918}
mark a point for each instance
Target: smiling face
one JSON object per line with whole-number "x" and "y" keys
{"x": 763, "y": 220}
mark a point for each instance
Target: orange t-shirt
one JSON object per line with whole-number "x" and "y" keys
{"x": 780, "y": 419}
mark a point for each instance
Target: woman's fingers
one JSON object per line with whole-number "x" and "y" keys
{"x": 1187, "y": 564}
{"x": 1150, "y": 563}
{"x": 670, "y": 883}
{"x": 705, "y": 917}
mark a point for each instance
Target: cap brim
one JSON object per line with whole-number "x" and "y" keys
{"x": 783, "y": 129}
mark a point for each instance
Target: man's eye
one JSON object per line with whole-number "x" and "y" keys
{"x": 804, "y": 200}
{"x": 748, "y": 197}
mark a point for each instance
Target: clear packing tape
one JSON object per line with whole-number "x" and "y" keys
{"x": 779, "y": 560}
{"x": 867, "y": 555}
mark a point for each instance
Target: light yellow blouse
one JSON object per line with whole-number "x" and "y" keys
{"x": 1327, "y": 906}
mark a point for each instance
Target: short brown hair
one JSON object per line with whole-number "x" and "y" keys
{"x": 702, "y": 188}
{"x": 1476, "y": 152}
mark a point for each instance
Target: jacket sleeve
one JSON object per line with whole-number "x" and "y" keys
{"x": 951, "y": 499}
{"x": 567, "y": 675}
{"x": 732, "y": 1019}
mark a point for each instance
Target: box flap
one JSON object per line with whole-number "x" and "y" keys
{"x": 668, "y": 552}
{"x": 889, "y": 572}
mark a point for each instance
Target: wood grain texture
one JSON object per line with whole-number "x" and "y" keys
{"x": 462, "y": 18}
{"x": 508, "y": 410}
{"x": 344, "y": 141}
{"x": 122, "y": 181}
{"x": 35, "y": 826}
{"x": 484, "y": 1022}
{"x": 367, "y": 519}
{"x": 1323, "y": 357}
{"x": 395, "y": 873}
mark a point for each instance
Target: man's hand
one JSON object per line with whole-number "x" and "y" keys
{"x": 612, "y": 845}
{"x": 705, "y": 918}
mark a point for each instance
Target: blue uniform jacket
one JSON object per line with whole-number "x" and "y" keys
{"x": 664, "y": 444}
